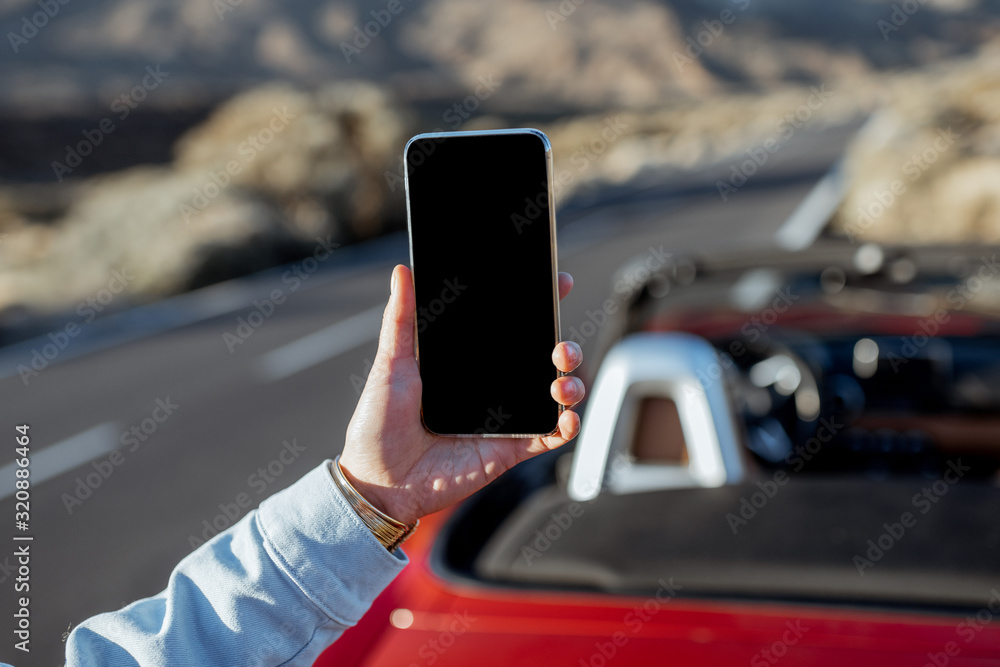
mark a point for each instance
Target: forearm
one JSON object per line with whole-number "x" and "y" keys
{"x": 276, "y": 588}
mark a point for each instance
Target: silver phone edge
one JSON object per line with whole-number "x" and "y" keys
{"x": 549, "y": 173}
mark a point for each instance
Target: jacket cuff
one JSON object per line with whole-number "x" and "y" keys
{"x": 317, "y": 539}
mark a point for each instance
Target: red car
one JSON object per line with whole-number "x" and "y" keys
{"x": 786, "y": 457}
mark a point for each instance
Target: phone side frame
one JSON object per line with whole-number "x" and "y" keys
{"x": 549, "y": 174}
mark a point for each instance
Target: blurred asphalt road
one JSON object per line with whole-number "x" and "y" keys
{"x": 210, "y": 423}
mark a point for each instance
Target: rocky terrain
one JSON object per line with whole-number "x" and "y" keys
{"x": 186, "y": 142}
{"x": 266, "y": 177}
{"x": 926, "y": 170}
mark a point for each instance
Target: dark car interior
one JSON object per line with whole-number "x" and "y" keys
{"x": 868, "y": 413}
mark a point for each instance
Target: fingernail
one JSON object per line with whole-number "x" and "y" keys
{"x": 392, "y": 283}
{"x": 574, "y": 352}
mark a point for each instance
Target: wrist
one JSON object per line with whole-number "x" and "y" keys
{"x": 385, "y": 499}
{"x": 388, "y": 529}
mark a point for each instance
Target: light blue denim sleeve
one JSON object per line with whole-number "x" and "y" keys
{"x": 276, "y": 588}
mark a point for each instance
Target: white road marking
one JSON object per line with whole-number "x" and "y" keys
{"x": 198, "y": 305}
{"x": 319, "y": 346}
{"x": 63, "y": 456}
{"x": 806, "y": 222}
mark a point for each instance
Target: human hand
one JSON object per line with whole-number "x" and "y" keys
{"x": 398, "y": 466}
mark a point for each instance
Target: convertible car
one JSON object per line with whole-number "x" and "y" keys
{"x": 785, "y": 457}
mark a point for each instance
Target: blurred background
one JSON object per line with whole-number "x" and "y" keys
{"x": 79, "y": 198}
{"x": 200, "y": 201}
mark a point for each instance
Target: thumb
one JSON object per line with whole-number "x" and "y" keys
{"x": 396, "y": 338}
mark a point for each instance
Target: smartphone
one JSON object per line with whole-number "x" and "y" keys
{"x": 481, "y": 222}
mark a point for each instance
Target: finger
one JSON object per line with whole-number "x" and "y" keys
{"x": 567, "y": 355}
{"x": 565, "y": 284}
{"x": 568, "y": 428}
{"x": 396, "y": 337}
{"x": 568, "y": 390}
{"x": 569, "y": 425}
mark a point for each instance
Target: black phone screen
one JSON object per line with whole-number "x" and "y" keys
{"x": 484, "y": 271}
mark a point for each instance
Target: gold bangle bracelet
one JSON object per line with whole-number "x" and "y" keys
{"x": 389, "y": 532}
